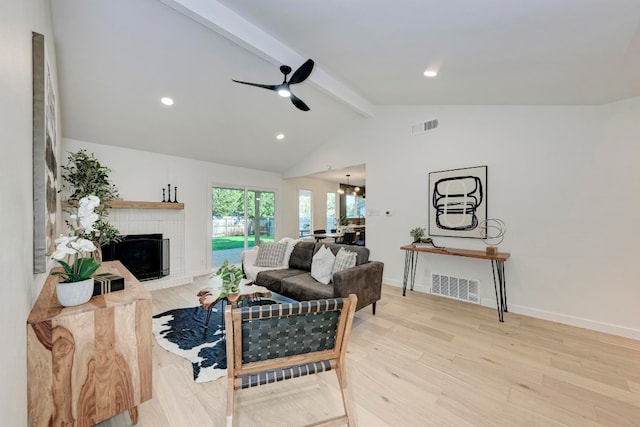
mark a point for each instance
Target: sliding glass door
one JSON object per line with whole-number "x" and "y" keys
{"x": 241, "y": 218}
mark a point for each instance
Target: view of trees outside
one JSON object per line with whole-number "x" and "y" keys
{"x": 228, "y": 217}
{"x": 355, "y": 206}
{"x": 304, "y": 211}
{"x": 229, "y": 202}
{"x": 331, "y": 211}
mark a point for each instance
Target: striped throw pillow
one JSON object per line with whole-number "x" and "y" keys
{"x": 344, "y": 259}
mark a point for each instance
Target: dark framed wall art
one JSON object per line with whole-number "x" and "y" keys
{"x": 45, "y": 163}
{"x": 457, "y": 202}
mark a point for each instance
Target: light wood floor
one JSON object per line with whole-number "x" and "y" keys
{"x": 423, "y": 361}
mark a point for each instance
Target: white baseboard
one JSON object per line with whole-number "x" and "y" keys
{"x": 416, "y": 287}
{"x": 565, "y": 319}
{"x": 168, "y": 282}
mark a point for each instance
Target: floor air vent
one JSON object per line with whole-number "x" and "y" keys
{"x": 455, "y": 287}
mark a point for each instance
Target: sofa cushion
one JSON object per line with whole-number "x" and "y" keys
{"x": 302, "y": 255}
{"x": 344, "y": 259}
{"x": 363, "y": 253}
{"x": 322, "y": 265}
{"x": 271, "y": 254}
{"x": 291, "y": 243}
{"x": 303, "y": 287}
{"x": 272, "y": 279}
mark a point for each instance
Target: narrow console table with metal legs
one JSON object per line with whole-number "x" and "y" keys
{"x": 497, "y": 266}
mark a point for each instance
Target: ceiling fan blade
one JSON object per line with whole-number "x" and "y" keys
{"x": 302, "y": 73}
{"x": 270, "y": 87}
{"x": 298, "y": 103}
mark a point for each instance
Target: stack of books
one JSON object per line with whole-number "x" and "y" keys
{"x": 106, "y": 282}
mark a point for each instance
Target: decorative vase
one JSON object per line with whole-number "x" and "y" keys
{"x": 74, "y": 293}
{"x": 97, "y": 254}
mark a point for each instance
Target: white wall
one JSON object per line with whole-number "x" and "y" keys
{"x": 141, "y": 176}
{"x": 18, "y": 18}
{"x": 564, "y": 179}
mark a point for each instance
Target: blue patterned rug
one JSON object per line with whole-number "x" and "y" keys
{"x": 181, "y": 331}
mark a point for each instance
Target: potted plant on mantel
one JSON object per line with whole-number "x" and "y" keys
{"x": 231, "y": 276}
{"x": 85, "y": 175}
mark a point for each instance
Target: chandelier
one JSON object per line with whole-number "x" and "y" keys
{"x": 355, "y": 189}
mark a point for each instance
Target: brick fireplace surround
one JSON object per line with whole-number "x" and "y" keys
{"x": 149, "y": 218}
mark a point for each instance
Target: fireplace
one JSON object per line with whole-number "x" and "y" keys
{"x": 146, "y": 256}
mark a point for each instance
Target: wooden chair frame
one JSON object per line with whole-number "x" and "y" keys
{"x": 269, "y": 369}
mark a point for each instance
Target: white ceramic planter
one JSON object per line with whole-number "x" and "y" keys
{"x": 74, "y": 293}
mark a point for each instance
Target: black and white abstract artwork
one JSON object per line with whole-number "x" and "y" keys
{"x": 45, "y": 163}
{"x": 457, "y": 202}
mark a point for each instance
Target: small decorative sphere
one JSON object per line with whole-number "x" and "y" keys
{"x": 492, "y": 231}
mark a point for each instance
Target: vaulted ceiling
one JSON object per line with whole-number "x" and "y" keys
{"x": 117, "y": 58}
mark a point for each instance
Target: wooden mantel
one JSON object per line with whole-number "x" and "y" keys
{"x": 127, "y": 204}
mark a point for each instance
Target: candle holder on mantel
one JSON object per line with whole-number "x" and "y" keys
{"x": 163, "y": 196}
{"x": 168, "y": 193}
{"x": 175, "y": 194}
{"x": 492, "y": 231}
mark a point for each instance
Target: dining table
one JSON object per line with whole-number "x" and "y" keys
{"x": 322, "y": 236}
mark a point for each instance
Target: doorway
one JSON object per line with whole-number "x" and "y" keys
{"x": 241, "y": 218}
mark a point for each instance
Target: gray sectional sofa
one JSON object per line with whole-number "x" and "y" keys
{"x": 295, "y": 282}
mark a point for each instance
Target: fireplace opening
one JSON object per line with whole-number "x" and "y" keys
{"x": 146, "y": 256}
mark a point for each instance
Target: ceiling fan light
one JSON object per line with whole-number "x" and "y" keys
{"x": 284, "y": 93}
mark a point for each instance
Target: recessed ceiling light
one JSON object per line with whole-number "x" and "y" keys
{"x": 430, "y": 73}
{"x": 166, "y": 100}
{"x": 280, "y": 136}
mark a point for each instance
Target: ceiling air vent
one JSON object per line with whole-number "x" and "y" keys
{"x": 422, "y": 127}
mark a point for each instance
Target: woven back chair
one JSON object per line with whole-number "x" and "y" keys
{"x": 277, "y": 342}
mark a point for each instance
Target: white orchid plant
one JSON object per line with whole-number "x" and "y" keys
{"x": 74, "y": 248}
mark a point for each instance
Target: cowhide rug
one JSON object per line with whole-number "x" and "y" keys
{"x": 181, "y": 331}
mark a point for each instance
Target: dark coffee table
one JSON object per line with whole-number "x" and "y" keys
{"x": 210, "y": 296}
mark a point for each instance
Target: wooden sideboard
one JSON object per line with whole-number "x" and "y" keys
{"x": 89, "y": 362}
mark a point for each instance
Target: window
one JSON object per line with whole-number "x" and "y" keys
{"x": 304, "y": 212}
{"x": 332, "y": 223}
{"x": 240, "y": 218}
{"x": 355, "y": 206}
{"x": 352, "y": 203}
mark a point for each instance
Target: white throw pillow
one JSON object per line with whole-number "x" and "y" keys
{"x": 322, "y": 264}
{"x": 291, "y": 243}
{"x": 344, "y": 259}
{"x": 270, "y": 254}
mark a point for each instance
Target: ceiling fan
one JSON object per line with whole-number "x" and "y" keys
{"x": 283, "y": 90}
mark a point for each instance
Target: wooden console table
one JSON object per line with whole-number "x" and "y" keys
{"x": 497, "y": 267}
{"x": 89, "y": 362}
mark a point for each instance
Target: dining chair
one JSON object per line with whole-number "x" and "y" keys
{"x": 348, "y": 237}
